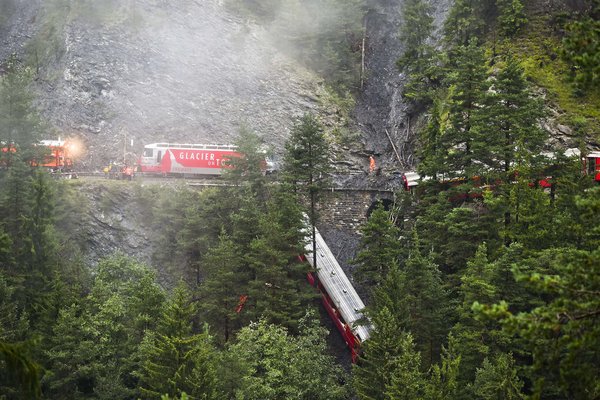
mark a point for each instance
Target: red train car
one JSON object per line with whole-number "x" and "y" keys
{"x": 592, "y": 161}
{"x": 192, "y": 159}
{"x": 590, "y": 167}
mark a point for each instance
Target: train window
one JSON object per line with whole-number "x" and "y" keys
{"x": 147, "y": 152}
{"x": 592, "y": 165}
{"x": 159, "y": 156}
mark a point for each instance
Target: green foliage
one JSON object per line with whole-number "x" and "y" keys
{"x": 407, "y": 382}
{"x": 94, "y": 344}
{"x": 511, "y": 16}
{"x": 174, "y": 360}
{"x": 539, "y": 51}
{"x": 427, "y": 306}
{"x": 249, "y": 169}
{"x": 475, "y": 339}
{"x": 223, "y": 286}
{"x": 465, "y": 22}
{"x": 388, "y": 343}
{"x": 307, "y": 165}
{"x": 581, "y": 49}
{"x": 563, "y": 331}
{"x": 443, "y": 380}
{"x": 20, "y": 123}
{"x": 419, "y": 61}
{"x": 378, "y": 249}
{"x": 498, "y": 380}
{"x": 278, "y": 292}
{"x": 18, "y": 368}
{"x": 272, "y": 364}
{"x": 508, "y": 124}
{"x": 467, "y": 84}
{"x": 306, "y": 160}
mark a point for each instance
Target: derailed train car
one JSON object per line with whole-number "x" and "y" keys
{"x": 338, "y": 296}
{"x": 590, "y": 166}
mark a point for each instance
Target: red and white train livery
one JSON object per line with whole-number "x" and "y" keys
{"x": 193, "y": 159}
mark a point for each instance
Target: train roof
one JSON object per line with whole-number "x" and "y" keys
{"x": 338, "y": 287}
{"x": 191, "y": 146}
{"x": 52, "y": 143}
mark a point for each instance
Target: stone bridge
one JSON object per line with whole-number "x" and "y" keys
{"x": 341, "y": 213}
{"x": 348, "y": 208}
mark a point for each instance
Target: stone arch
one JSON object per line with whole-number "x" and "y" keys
{"x": 387, "y": 203}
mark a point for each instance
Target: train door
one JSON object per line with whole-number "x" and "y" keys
{"x": 593, "y": 166}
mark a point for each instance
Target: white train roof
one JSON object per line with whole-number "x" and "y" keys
{"x": 52, "y": 143}
{"x": 338, "y": 287}
{"x": 190, "y": 146}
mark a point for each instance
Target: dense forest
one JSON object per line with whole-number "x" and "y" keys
{"x": 481, "y": 284}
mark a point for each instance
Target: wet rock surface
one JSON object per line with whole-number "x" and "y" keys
{"x": 183, "y": 71}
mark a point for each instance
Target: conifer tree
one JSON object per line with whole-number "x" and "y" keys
{"x": 475, "y": 339}
{"x": 509, "y": 130}
{"x": 279, "y": 292}
{"x": 248, "y": 169}
{"x": 174, "y": 359}
{"x": 272, "y": 364}
{"x": 224, "y": 287}
{"x": 467, "y": 85}
{"x": 418, "y": 60}
{"x": 407, "y": 381}
{"x": 464, "y": 21}
{"x": 511, "y": 16}
{"x": 375, "y": 368}
{"x": 581, "y": 49}
{"x": 306, "y": 165}
{"x": 443, "y": 380}
{"x": 20, "y": 124}
{"x": 391, "y": 296}
{"x": 417, "y": 26}
{"x": 431, "y": 150}
{"x": 562, "y": 332}
{"x": 498, "y": 379}
{"x": 378, "y": 249}
{"x": 426, "y": 302}
{"x": 94, "y": 346}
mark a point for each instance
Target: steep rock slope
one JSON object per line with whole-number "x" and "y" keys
{"x": 381, "y": 107}
{"x": 184, "y": 71}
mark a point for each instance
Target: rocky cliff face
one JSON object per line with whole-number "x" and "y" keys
{"x": 151, "y": 70}
{"x": 382, "y": 112}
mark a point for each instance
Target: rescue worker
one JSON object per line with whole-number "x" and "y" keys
{"x": 371, "y": 164}
{"x": 107, "y": 170}
{"x": 127, "y": 172}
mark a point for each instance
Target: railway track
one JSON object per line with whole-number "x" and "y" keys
{"x": 145, "y": 178}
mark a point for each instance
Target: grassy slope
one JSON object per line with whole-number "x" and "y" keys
{"x": 539, "y": 49}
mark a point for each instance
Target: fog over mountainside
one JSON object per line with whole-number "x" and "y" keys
{"x": 186, "y": 71}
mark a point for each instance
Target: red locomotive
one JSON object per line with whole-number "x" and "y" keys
{"x": 192, "y": 159}
{"x": 58, "y": 154}
{"x": 60, "y": 157}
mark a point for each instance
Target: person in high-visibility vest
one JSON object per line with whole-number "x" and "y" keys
{"x": 371, "y": 164}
